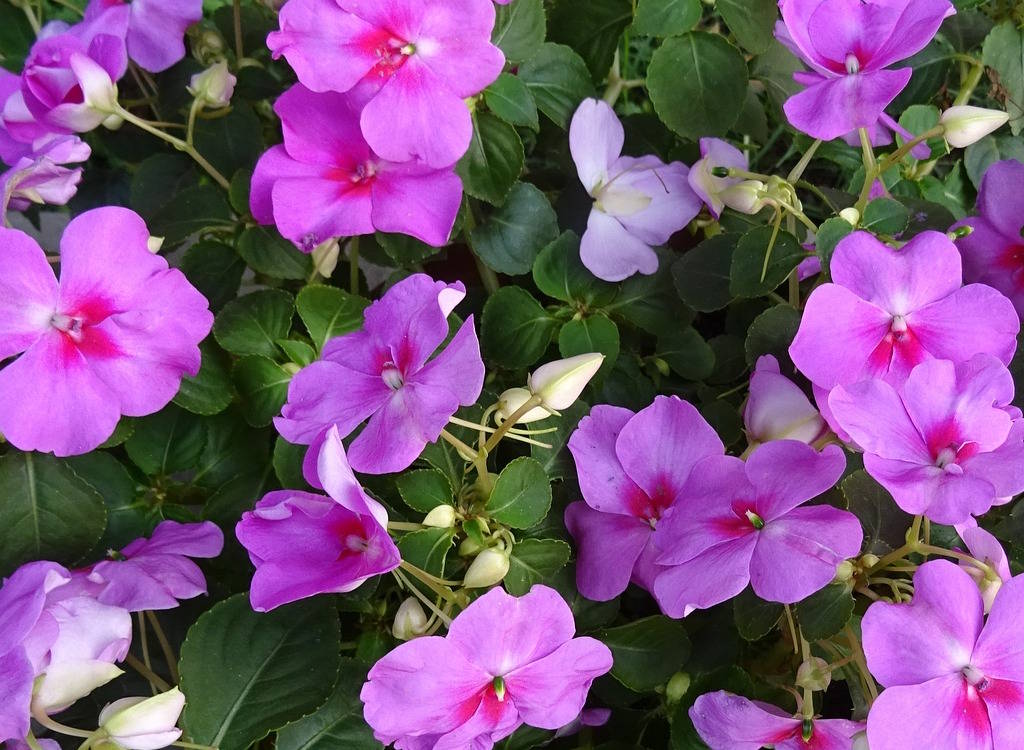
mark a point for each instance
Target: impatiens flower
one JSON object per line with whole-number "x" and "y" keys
{"x": 730, "y": 722}
{"x": 142, "y": 723}
{"x": 944, "y": 443}
{"x": 214, "y": 86}
{"x": 505, "y": 662}
{"x": 965, "y": 125}
{"x": 638, "y": 202}
{"x": 325, "y": 181}
{"x": 888, "y": 310}
{"x": 632, "y": 469}
{"x": 156, "y": 573}
{"x": 715, "y": 153}
{"x": 777, "y": 409}
{"x": 558, "y": 384}
{"x": 993, "y": 253}
{"x": 848, "y": 46}
{"x": 743, "y": 523}
{"x": 986, "y": 549}
{"x": 156, "y": 29}
{"x": 114, "y": 337}
{"x": 382, "y": 373}
{"x": 304, "y": 544}
{"x": 413, "y": 62}
{"x": 40, "y": 177}
{"x": 952, "y": 680}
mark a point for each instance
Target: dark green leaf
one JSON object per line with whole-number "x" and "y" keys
{"x": 168, "y": 441}
{"x": 253, "y": 323}
{"x": 559, "y": 273}
{"x": 269, "y": 253}
{"x": 830, "y": 233}
{"x": 209, "y": 392}
{"x": 298, "y": 352}
{"x": 406, "y": 250}
{"x": 424, "y": 489}
{"x": 594, "y": 333}
{"x": 515, "y": 329}
{"x": 494, "y": 159}
{"x": 288, "y": 463}
{"x": 825, "y": 613}
{"x": 534, "y": 561}
{"x": 233, "y": 141}
{"x": 702, "y": 275}
{"x": 263, "y": 386}
{"x": 772, "y": 332}
{"x": 981, "y": 155}
{"x": 514, "y": 234}
{"x": 556, "y": 460}
{"x": 755, "y": 618}
{"x": 752, "y": 22}
{"x": 215, "y": 269}
{"x": 666, "y": 17}
{"x": 337, "y": 724}
{"x": 885, "y": 216}
{"x": 884, "y": 524}
{"x": 521, "y": 495}
{"x": 157, "y": 178}
{"x": 651, "y": 302}
{"x": 328, "y": 312}
{"x": 190, "y": 211}
{"x": 519, "y": 29}
{"x": 427, "y": 549}
{"x": 687, "y": 353}
{"x": 510, "y": 99}
{"x": 129, "y": 516}
{"x": 559, "y": 81}
{"x": 1004, "y": 53}
{"x": 748, "y": 262}
{"x": 647, "y": 652}
{"x": 594, "y": 34}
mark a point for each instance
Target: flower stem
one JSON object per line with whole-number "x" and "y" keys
{"x": 158, "y": 682}
{"x": 798, "y": 171}
{"x": 237, "y": 12}
{"x": 165, "y": 646}
{"x": 509, "y": 423}
{"x": 56, "y": 726}
{"x": 353, "y": 265}
{"x": 144, "y": 643}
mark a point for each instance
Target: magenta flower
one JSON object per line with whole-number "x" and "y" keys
{"x": 952, "y": 679}
{"x": 155, "y": 573}
{"x": 632, "y": 469}
{"x": 505, "y": 662}
{"x": 944, "y": 443}
{"x": 986, "y": 549}
{"x": 304, "y": 544}
{"x": 848, "y": 46}
{"x": 156, "y": 28}
{"x": 889, "y": 310}
{"x": 414, "y": 63}
{"x": 715, "y": 152}
{"x": 325, "y": 181}
{"x": 40, "y": 177}
{"x": 729, "y": 722}
{"x": 994, "y": 253}
{"x": 638, "y": 203}
{"x": 381, "y": 373}
{"x": 114, "y": 337}
{"x": 742, "y": 523}
{"x": 777, "y": 409}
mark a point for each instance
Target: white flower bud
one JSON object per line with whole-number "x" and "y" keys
{"x": 747, "y": 197}
{"x": 144, "y": 723}
{"x": 850, "y": 215}
{"x": 510, "y": 402}
{"x": 154, "y": 244}
{"x": 325, "y": 257}
{"x": 469, "y": 547}
{"x": 66, "y": 682}
{"x": 677, "y": 687}
{"x": 964, "y": 125}
{"x": 489, "y": 568}
{"x": 410, "y": 620}
{"x": 814, "y": 674}
{"x": 213, "y": 86}
{"x": 441, "y": 517}
{"x": 560, "y": 383}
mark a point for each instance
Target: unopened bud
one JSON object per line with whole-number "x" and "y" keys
{"x": 469, "y": 548}
{"x": 214, "y": 86}
{"x": 206, "y": 42}
{"x": 490, "y": 567}
{"x": 845, "y": 571}
{"x": 154, "y": 244}
{"x": 747, "y": 197}
{"x": 678, "y": 686}
{"x": 964, "y": 125}
{"x": 441, "y": 517}
{"x": 850, "y": 215}
{"x": 325, "y": 257}
{"x": 814, "y": 674}
{"x": 512, "y": 400}
{"x": 868, "y": 561}
{"x": 410, "y": 620}
{"x": 560, "y": 383}
{"x": 958, "y": 233}
{"x": 143, "y": 723}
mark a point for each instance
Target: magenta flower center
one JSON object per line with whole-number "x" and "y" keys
{"x": 391, "y": 53}
{"x": 69, "y": 325}
{"x": 1012, "y": 259}
{"x": 948, "y": 449}
{"x": 652, "y": 507}
{"x": 852, "y": 64}
{"x": 974, "y": 677}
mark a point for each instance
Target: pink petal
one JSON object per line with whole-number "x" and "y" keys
{"x": 15, "y": 695}
{"x": 1004, "y": 701}
{"x": 875, "y": 417}
{"x": 999, "y": 652}
{"x": 673, "y": 203}
{"x": 321, "y": 128}
{"x": 839, "y": 28}
{"x": 603, "y": 482}
{"x": 458, "y": 368}
{"x": 730, "y": 722}
{"x": 273, "y": 165}
{"x": 926, "y": 489}
{"x": 1000, "y": 201}
{"x": 611, "y": 253}
{"x": 1003, "y": 467}
{"x": 156, "y": 31}
{"x": 458, "y": 44}
{"x": 787, "y": 473}
{"x": 341, "y": 484}
{"x": 835, "y": 106}
{"x": 972, "y": 320}
{"x": 710, "y": 578}
{"x": 608, "y": 546}
{"x": 777, "y": 408}
{"x": 28, "y": 293}
{"x": 311, "y": 209}
{"x": 915, "y": 28}
{"x": 931, "y": 714}
{"x": 595, "y": 140}
{"x": 420, "y": 203}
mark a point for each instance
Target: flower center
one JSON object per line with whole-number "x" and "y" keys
{"x": 1012, "y": 259}
{"x": 755, "y": 520}
{"x": 392, "y": 376}
{"x": 68, "y": 325}
{"x": 363, "y": 172}
{"x": 499, "y": 688}
{"x": 391, "y": 54}
{"x": 356, "y": 543}
{"x": 974, "y": 677}
{"x": 852, "y": 64}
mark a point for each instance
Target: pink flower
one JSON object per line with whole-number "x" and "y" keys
{"x": 326, "y": 182}
{"x": 952, "y": 679}
{"x": 114, "y": 337}
{"x": 944, "y": 444}
{"x": 848, "y": 45}
{"x": 889, "y": 310}
{"x": 382, "y": 373}
{"x": 638, "y": 203}
{"x": 714, "y": 153}
{"x": 155, "y": 573}
{"x": 40, "y": 177}
{"x": 742, "y": 523}
{"x": 777, "y": 409}
{"x": 505, "y": 662}
{"x": 156, "y": 28}
{"x": 632, "y": 469}
{"x": 729, "y": 722}
{"x": 304, "y": 544}
{"x": 994, "y": 252}
{"x": 413, "y": 62}
{"x": 986, "y": 549}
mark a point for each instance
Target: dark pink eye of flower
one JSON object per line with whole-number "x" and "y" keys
{"x": 652, "y": 507}
{"x": 1012, "y": 259}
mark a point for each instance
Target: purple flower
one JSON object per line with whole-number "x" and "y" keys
{"x": 729, "y": 722}
{"x": 114, "y": 337}
{"x": 325, "y": 181}
{"x": 632, "y": 469}
{"x": 986, "y": 549}
{"x": 994, "y": 253}
{"x": 889, "y": 310}
{"x": 944, "y": 444}
{"x": 638, "y": 203}
{"x": 381, "y": 373}
{"x": 413, "y": 62}
{"x": 155, "y": 573}
{"x": 40, "y": 177}
{"x": 505, "y": 662}
{"x": 848, "y": 45}
{"x": 304, "y": 544}
{"x": 714, "y": 153}
{"x": 156, "y": 28}
{"x": 952, "y": 679}
{"x": 742, "y": 523}
{"x": 777, "y": 409}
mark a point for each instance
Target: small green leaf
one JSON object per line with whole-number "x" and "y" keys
{"x": 559, "y": 273}
{"x": 424, "y": 489}
{"x": 339, "y": 723}
{"x": 830, "y": 234}
{"x": 494, "y": 160}
{"x": 522, "y": 494}
{"x": 215, "y": 269}
{"x": 825, "y": 613}
{"x": 209, "y": 392}
{"x": 663, "y": 18}
{"x": 981, "y": 155}
{"x": 594, "y": 34}
{"x": 687, "y": 353}
{"x": 702, "y": 276}
{"x": 755, "y": 618}
{"x": 771, "y": 333}
{"x": 510, "y": 99}
{"x": 512, "y": 236}
{"x": 647, "y": 652}
{"x": 427, "y": 549}
{"x": 269, "y": 253}
{"x": 328, "y": 312}
{"x": 519, "y": 29}
{"x": 594, "y": 333}
{"x": 515, "y": 329}
{"x": 1004, "y": 53}
{"x": 288, "y": 459}
{"x": 263, "y": 386}
{"x": 752, "y": 22}
{"x": 559, "y": 81}
{"x": 651, "y": 302}
{"x": 534, "y": 561}
{"x": 166, "y": 442}
{"x": 748, "y": 262}
{"x": 253, "y": 323}
{"x": 884, "y": 524}
{"x": 298, "y": 352}
{"x": 885, "y": 216}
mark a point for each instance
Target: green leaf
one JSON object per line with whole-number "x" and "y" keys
{"x": 215, "y": 269}
{"x": 16, "y": 36}
{"x": 245, "y": 674}
{"x": 510, "y": 99}
{"x": 594, "y": 333}
{"x": 288, "y": 459}
{"x": 651, "y": 302}
{"x": 830, "y": 234}
{"x": 687, "y": 353}
{"x": 405, "y": 250}
{"x": 339, "y": 723}
{"x": 981, "y": 155}
{"x": 166, "y": 442}
{"x": 157, "y": 177}
{"x": 49, "y": 511}
{"x": 209, "y": 392}
{"x": 534, "y": 561}
{"x": 519, "y": 29}
{"x": 559, "y": 81}
{"x": 129, "y": 515}
{"x": 328, "y": 312}
{"x": 253, "y": 323}
{"x": 825, "y": 613}
{"x": 188, "y": 212}
{"x": 647, "y": 652}
{"x": 267, "y": 252}
{"x": 424, "y": 489}
{"x": 427, "y": 549}
{"x": 231, "y": 142}
{"x": 752, "y": 22}
{"x": 884, "y": 524}
{"x": 702, "y": 276}
{"x": 522, "y": 494}
{"x": 1004, "y": 53}
{"x": 771, "y": 333}
{"x": 298, "y": 352}
{"x": 666, "y": 17}
{"x": 494, "y": 160}
{"x": 594, "y": 34}
{"x": 514, "y": 234}
{"x": 885, "y": 216}
{"x": 556, "y": 460}
{"x": 755, "y": 618}
{"x": 263, "y": 386}
{"x": 238, "y": 194}
{"x": 515, "y": 329}
{"x": 748, "y": 262}
{"x": 698, "y": 84}
{"x": 559, "y": 273}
